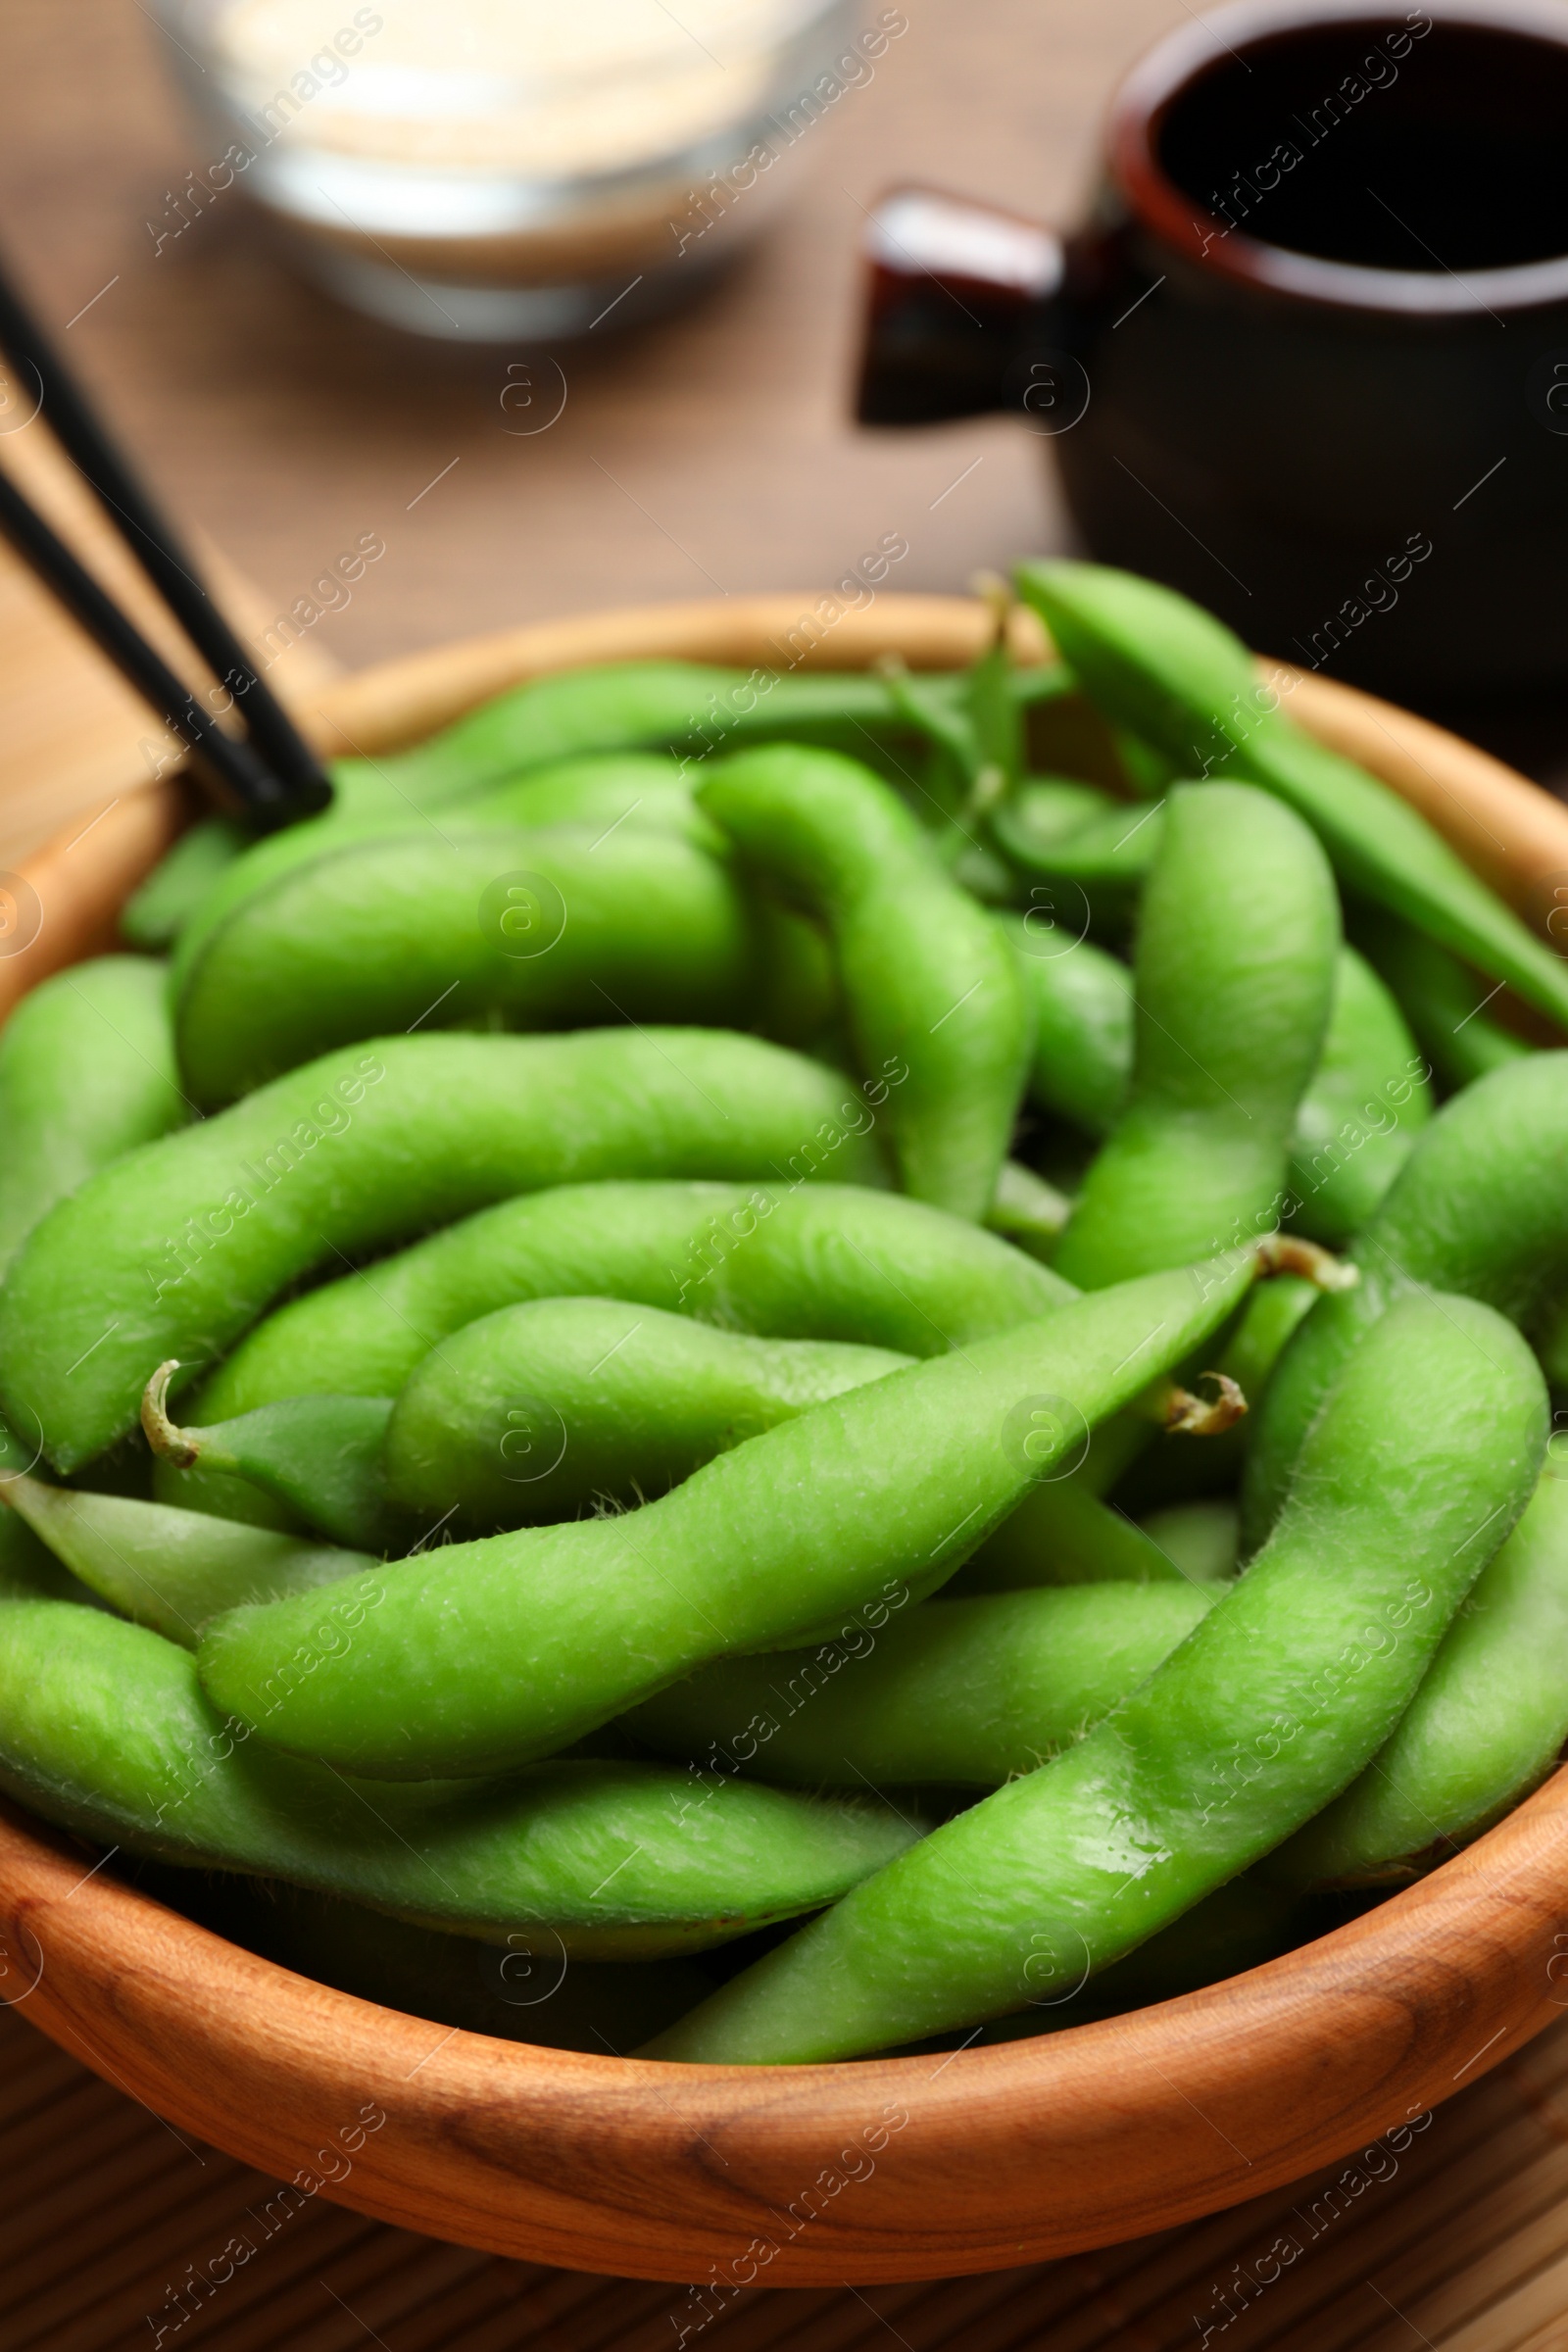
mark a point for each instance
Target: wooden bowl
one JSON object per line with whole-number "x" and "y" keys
{"x": 885, "y": 2169}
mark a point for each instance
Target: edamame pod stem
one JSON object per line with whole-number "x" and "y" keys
{"x": 104, "y": 1730}
{"x": 1487, "y": 1724}
{"x": 1229, "y": 1021}
{"x": 1367, "y": 1101}
{"x": 1156, "y": 663}
{"x": 319, "y": 1457}
{"x": 1174, "y": 1474}
{"x": 828, "y": 1261}
{"x": 962, "y": 1692}
{"x": 177, "y": 1248}
{"x": 1478, "y": 1207}
{"x": 1444, "y": 1003}
{"x": 490, "y": 929}
{"x": 87, "y": 1072}
{"x": 1062, "y": 1532}
{"x": 487, "y": 1654}
{"x": 1267, "y": 1710}
{"x": 535, "y": 1412}
{"x": 1081, "y": 1000}
{"x": 167, "y": 1568}
{"x": 927, "y": 982}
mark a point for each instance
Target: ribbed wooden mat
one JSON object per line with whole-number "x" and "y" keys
{"x": 116, "y": 2230}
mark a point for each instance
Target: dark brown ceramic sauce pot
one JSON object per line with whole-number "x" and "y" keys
{"x": 1308, "y": 357}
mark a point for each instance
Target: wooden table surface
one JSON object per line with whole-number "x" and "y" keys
{"x": 713, "y": 453}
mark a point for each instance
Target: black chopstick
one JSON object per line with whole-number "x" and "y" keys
{"x": 230, "y": 761}
{"x": 273, "y": 775}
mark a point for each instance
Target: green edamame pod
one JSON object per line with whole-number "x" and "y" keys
{"x": 1032, "y": 1213}
{"x": 87, "y": 1072}
{"x": 604, "y": 792}
{"x": 1156, "y": 663}
{"x": 1089, "y": 850}
{"x": 487, "y": 1654}
{"x": 535, "y": 1412}
{"x": 217, "y": 863}
{"x": 1444, "y": 1003}
{"x": 1201, "y": 1539}
{"x": 1237, "y": 1928}
{"x": 1487, "y": 1724}
{"x": 1367, "y": 1101}
{"x": 928, "y": 984}
{"x": 634, "y": 706}
{"x": 319, "y": 1456}
{"x": 962, "y": 1692}
{"x": 832, "y": 1262}
{"x": 30, "y": 1570}
{"x": 1062, "y": 1534}
{"x": 1081, "y": 1000}
{"x": 1355, "y": 1125}
{"x": 526, "y": 930}
{"x": 1234, "y": 969}
{"x": 104, "y": 1730}
{"x": 1149, "y": 774}
{"x": 154, "y": 916}
{"x": 167, "y": 1568}
{"x": 176, "y": 1250}
{"x": 1478, "y": 1207}
{"x": 522, "y": 1990}
{"x": 1271, "y": 1708}
{"x": 685, "y": 706}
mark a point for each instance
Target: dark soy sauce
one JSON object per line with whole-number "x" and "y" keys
{"x": 1446, "y": 149}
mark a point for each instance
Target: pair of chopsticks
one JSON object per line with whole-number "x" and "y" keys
{"x": 270, "y": 773}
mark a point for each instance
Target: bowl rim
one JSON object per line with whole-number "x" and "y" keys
{"x": 979, "y": 2159}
